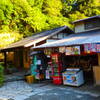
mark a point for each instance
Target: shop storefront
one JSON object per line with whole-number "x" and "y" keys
{"x": 72, "y": 65}
{"x": 77, "y": 57}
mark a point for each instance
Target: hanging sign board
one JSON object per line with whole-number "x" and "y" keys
{"x": 48, "y": 51}
{"x": 98, "y": 47}
{"x": 90, "y": 48}
{"x": 75, "y": 50}
{"x": 62, "y": 49}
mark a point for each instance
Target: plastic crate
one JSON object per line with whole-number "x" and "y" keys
{"x": 30, "y": 79}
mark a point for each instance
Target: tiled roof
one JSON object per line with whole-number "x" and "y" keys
{"x": 86, "y": 19}
{"x": 29, "y": 41}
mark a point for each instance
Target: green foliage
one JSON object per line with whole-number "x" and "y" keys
{"x": 1, "y": 75}
{"x": 30, "y": 16}
{"x": 57, "y": 21}
{"x": 68, "y": 6}
{"x": 52, "y": 7}
{"x": 76, "y": 16}
{"x": 90, "y": 7}
{"x": 8, "y": 38}
{"x": 6, "y": 8}
{"x": 75, "y": 8}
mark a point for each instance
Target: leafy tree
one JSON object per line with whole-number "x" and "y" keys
{"x": 52, "y": 7}
{"x": 90, "y": 7}
{"x": 8, "y": 38}
{"x": 27, "y": 17}
{"x": 76, "y": 16}
{"x": 6, "y": 9}
{"x": 69, "y": 6}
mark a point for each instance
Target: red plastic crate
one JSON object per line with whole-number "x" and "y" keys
{"x": 57, "y": 80}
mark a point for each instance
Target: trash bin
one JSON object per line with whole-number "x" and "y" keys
{"x": 30, "y": 79}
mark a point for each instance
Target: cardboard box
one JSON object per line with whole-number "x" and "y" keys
{"x": 96, "y": 71}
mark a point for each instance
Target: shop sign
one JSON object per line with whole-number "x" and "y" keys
{"x": 48, "y": 51}
{"x": 98, "y": 47}
{"x": 62, "y": 49}
{"x": 75, "y": 50}
{"x": 90, "y": 48}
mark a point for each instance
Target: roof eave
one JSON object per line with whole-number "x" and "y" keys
{"x": 86, "y": 19}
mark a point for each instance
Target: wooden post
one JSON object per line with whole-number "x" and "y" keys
{"x": 99, "y": 59}
{"x": 96, "y": 71}
{"x": 5, "y": 60}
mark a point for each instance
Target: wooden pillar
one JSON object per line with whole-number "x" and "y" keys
{"x": 99, "y": 59}
{"x": 5, "y": 60}
{"x": 96, "y": 70}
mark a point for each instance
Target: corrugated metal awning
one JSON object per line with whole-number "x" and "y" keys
{"x": 75, "y": 39}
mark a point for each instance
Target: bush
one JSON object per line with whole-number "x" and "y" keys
{"x": 1, "y": 75}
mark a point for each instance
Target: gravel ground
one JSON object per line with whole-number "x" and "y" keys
{"x": 20, "y": 90}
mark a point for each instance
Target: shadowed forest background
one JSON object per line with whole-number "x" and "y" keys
{"x": 22, "y": 18}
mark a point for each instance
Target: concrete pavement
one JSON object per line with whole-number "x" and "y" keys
{"x": 51, "y": 92}
{"x": 20, "y": 90}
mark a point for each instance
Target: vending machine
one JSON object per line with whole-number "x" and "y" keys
{"x": 56, "y": 68}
